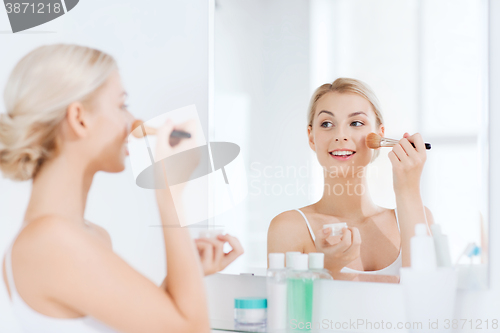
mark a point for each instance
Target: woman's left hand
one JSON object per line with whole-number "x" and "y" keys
{"x": 212, "y": 256}
{"x": 408, "y": 163}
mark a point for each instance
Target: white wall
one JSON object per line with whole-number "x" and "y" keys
{"x": 261, "y": 94}
{"x": 162, "y": 51}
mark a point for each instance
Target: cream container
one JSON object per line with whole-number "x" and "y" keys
{"x": 210, "y": 233}
{"x": 336, "y": 228}
{"x": 250, "y": 314}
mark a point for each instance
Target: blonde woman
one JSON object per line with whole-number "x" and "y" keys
{"x": 66, "y": 120}
{"x": 377, "y": 239}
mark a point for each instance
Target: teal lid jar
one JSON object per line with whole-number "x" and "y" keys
{"x": 250, "y": 314}
{"x": 250, "y": 303}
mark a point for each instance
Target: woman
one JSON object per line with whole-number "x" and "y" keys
{"x": 66, "y": 120}
{"x": 377, "y": 239}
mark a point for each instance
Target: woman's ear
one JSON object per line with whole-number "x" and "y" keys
{"x": 381, "y": 130}
{"x": 76, "y": 117}
{"x": 311, "y": 137}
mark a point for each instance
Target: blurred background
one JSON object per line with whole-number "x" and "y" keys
{"x": 426, "y": 60}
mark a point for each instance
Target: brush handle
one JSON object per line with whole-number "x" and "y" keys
{"x": 386, "y": 142}
{"x": 427, "y": 145}
{"x": 152, "y": 131}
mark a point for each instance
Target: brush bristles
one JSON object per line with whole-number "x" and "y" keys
{"x": 137, "y": 129}
{"x": 373, "y": 140}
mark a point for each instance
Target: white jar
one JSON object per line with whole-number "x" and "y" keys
{"x": 250, "y": 314}
{"x": 336, "y": 228}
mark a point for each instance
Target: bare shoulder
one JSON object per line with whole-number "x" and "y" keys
{"x": 48, "y": 229}
{"x": 287, "y": 232}
{"x": 289, "y": 220}
{"x": 45, "y": 241}
{"x": 53, "y": 242}
{"x": 103, "y": 233}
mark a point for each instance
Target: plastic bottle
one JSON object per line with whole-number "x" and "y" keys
{"x": 441, "y": 245}
{"x": 289, "y": 258}
{"x": 299, "y": 295}
{"x": 423, "y": 254}
{"x": 276, "y": 293}
{"x": 317, "y": 266}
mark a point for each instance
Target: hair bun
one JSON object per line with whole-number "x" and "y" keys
{"x": 17, "y": 163}
{"x": 39, "y": 89}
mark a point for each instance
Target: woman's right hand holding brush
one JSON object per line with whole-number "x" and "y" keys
{"x": 408, "y": 163}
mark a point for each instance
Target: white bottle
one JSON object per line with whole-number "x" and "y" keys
{"x": 441, "y": 245}
{"x": 317, "y": 266}
{"x": 289, "y": 259}
{"x": 276, "y": 293}
{"x": 423, "y": 254}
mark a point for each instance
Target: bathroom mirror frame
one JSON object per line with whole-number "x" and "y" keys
{"x": 485, "y": 135}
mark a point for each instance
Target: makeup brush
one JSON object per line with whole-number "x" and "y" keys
{"x": 374, "y": 141}
{"x": 152, "y": 131}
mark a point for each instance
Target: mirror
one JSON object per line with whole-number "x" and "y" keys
{"x": 425, "y": 60}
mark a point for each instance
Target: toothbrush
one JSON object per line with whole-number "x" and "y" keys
{"x": 375, "y": 141}
{"x": 470, "y": 251}
{"x": 146, "y": 130}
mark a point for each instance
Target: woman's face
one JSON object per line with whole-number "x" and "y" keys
{"x": 111, "y": 126}
{"x": 340, "y": 125}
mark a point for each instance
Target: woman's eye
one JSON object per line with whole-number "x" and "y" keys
{"x": 326, "y": 124}
{"x": 359, "y": 123}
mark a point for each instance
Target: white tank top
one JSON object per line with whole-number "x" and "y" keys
{"x": 35, "y": 322}
{"x": 392, "y": 269}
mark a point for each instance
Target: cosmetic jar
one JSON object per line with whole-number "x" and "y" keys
{"x": 336, "y": 228}
{"x": 250, "y": 314}
{"x": 210, "y": 233}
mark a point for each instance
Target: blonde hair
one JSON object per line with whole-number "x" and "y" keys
{"x": 346, "y": 85}
{"x": 39, "y": 90}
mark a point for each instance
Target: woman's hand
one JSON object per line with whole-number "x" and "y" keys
{"x": 212, "y": 257}
{"x": 408, "y": 163}
{"x": 167, "y": 146}
{"x": 339, "y": 250}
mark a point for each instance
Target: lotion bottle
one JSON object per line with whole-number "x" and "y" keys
{"x": 276, "y": 293}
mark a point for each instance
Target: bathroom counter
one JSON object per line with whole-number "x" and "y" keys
{"x": 338, "y": 301}
{"x": 344, "y": 301}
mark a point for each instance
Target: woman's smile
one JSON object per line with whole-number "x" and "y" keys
{"x": 342, "y": 154}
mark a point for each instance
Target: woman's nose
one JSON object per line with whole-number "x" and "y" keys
{"x": 340, "y": 136}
